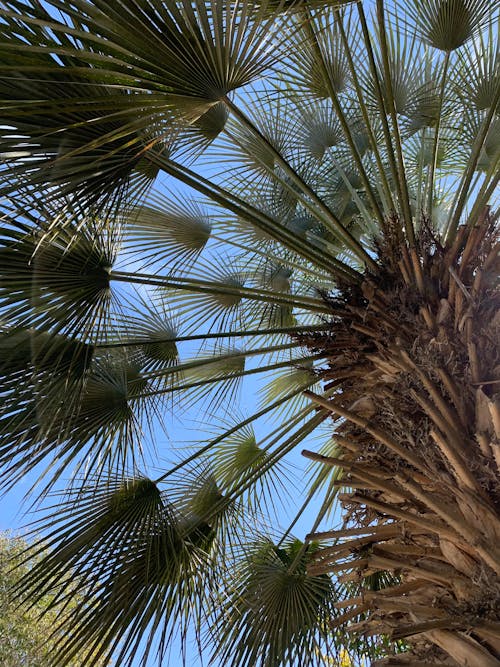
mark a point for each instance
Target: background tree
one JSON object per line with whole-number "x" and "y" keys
{"x": 334, "y": 236}
{"x": 27, "y": 635}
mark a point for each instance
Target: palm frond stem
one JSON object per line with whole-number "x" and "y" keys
{"x": 348, "y": 135}
{"x": 269, "y": 256}
{"x": 245, "y": 422}
{"x": 364, "y": 112}
{"x": 229, "y": 376}
{"x": 405, "y": 197}
{"x": 190, "y": 285}
{"x": 137, "y": 342}
{"x": 396, "y": 172}
{"x": 437, "y": 129}
{"x": 274, "y": 457}
{"x": 286, "y": 446}
{"x": 326, "y": 216}
{"x": 463, "y": 190}
{"x": 310, "y": 495}
{"x": 204, "y": 362}
{"x": 485, "y": 194}
{"x": 256, "y": 218}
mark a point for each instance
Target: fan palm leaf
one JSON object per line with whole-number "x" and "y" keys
{"x": 239, "y": 455}
{"x": 283, "y": 606}
{"x": 120, "y": 89}
{"x": 478, "y": 70}
{"x": 152, "y": 554}
{"x": 303, "y": 194}
{"x": 95, "y": 427}
{"x": 170, "y": 234}
{"x": 448, "y": 25}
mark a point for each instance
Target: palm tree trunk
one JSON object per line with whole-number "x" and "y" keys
{"x": 413, "y": 391}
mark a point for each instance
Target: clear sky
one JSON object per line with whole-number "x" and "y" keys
{"x": 13, "y": 517}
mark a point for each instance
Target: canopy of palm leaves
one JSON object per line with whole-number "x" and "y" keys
{"x": 194, "y": 193}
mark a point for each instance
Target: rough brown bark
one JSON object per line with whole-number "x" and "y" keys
{"x": 412, "y": 383}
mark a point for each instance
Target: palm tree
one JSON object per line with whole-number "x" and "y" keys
{"x": 302, "y": 193}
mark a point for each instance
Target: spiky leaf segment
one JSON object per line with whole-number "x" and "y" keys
{"x": 125, "y": 546}
{"x": 275, "y": 600}
{"x": 341, "y": 221}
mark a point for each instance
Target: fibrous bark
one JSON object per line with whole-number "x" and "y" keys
{"x": 412, "y": 382}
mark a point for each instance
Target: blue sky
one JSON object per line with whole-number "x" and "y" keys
{"x": 180, "y": 433}
{"x": 12, "y": 507}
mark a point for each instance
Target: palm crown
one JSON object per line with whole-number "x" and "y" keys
{"x": 195, "y": 193}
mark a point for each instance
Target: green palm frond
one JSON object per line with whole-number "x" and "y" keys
{"x": 280, "y": 280}
{"x": 214, "y": 203}
{"x": 317, "y": 68}
{"x": 25, "y": 351}
{"x": 239, "y": 459}
{"x": 275, "y": 612}
{"x": 290, "y": 383}
{"x": 291, "y": 6}
{"x": 214, "y": 377}
{"x": 97, "y": 426}
{"x": 96, "y": 142}
{"x": 212, "y": 122}
{"x": 478, "y": 70}
{"x": 240, "y": 450}
{"x": 120, "y": 86}
{"x": 404, "y": 69}
{"x": 447, "y": 24}
{"x": 125, "y": 546}
{"x": 488, "y": 158}
{"x": 319, "y": 130}
{"x": 37, "y": 369}
{"x": 151, "y": 341}
{"x": 51, "y": 260}
{"x": 219, "y": 306}
{"x": 168, "y": 233}
{"x": 215, "y": 518}
{"x": 276, "y": 130}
